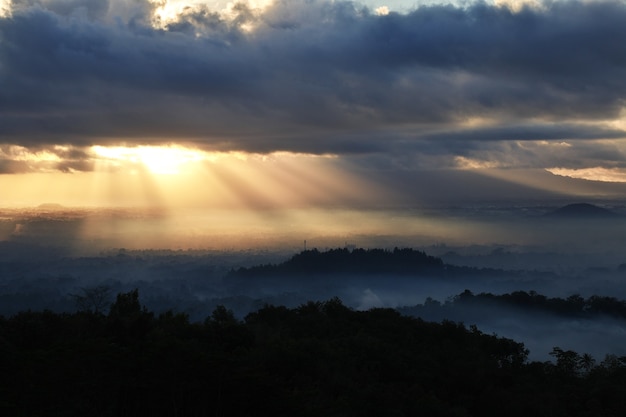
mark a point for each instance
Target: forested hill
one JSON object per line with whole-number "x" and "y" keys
{"x": 320, "y": 359}
{"x": 404, "y": 261}
{"x": 574, "y": 306}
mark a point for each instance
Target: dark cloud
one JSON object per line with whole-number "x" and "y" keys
{"x": 8, "y": 166}
{"x": 522, "y": 132}
{"x": 308, "y": 76}
{"x": 92, "y": 9}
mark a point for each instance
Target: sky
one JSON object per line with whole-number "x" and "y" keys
{"x": 274, "y": 104}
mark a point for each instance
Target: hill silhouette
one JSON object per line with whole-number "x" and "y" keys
{"x": 582, "y": 211}
{"x": 362, "y": 262}
{"x": 50, "y": 206}
{"x": 344, "y": 261}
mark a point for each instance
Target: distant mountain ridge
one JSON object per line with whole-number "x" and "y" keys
{"x": 582, "y": 210}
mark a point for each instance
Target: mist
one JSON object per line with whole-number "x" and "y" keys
{"x": 540, "y": 331}
{"x": 183, "y": 260}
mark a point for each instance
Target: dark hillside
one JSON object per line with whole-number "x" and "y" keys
{"x": 320, "y": 359}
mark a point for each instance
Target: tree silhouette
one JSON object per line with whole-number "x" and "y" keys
{"x": 126, "y": 305}
{"x": 93, "y": 299}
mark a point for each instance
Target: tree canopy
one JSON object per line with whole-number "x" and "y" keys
{"x": 321, "y": 358}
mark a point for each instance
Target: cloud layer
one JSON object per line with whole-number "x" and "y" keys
{"x": 319, "y": 77}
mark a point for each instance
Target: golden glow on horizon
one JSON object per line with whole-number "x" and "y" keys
{"x": 173, "y": 159}
{"x": 179, "y": 177}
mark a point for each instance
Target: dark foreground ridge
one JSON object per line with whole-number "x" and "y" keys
{"x": 319, "y": 359}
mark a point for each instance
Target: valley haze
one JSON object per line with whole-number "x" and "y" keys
{"x": 51, "y": 253}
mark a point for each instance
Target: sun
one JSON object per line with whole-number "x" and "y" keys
{"x": 161, "y": 160}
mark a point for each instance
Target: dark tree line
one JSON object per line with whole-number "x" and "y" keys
{"x": 321, "y": 358}
{"x": 572, "y": 306}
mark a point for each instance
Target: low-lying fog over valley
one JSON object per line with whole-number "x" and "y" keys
{"x": 52, "y": 256}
